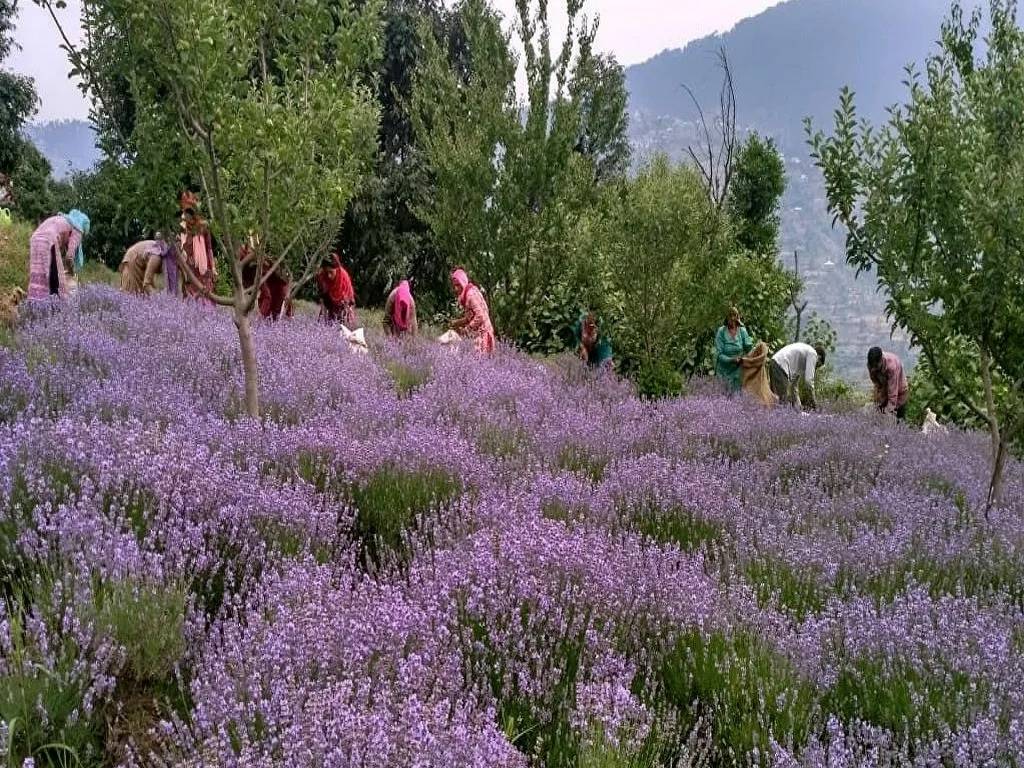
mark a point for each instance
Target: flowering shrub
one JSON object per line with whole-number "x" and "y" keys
{"x": 425, "y": 558}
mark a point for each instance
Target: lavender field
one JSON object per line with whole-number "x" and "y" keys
{"x": 422, "y": 558}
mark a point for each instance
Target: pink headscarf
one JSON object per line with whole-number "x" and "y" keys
{"x": 461, "y": 279}
{"x": 403, "y": 306}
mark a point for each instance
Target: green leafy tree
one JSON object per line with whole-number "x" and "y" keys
{"x": 512, "y": 172}
{"x": 755, "y": 194}
{"x": 107, "y": 192}
{"x": 653, "y": 230}
{"x": 384, "y": 238}
{"x": 931, "y": 200}
{"x": 665, "y": 285}
{"x": 17, "y": 95}
{"x": 277, "y": 132}
{"x": 599, "y": 93}
{"x": 34, "y": 198}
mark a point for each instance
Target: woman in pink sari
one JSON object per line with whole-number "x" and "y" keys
{"x": 475, "y": 322}
{"x": 55, "y": 249}
{"x": 196, "y": 250}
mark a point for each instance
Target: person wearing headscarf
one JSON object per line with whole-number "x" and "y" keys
{"x": 274, "y": 298}
{"x": 337, "y": 295}
{"x": 732, "y": 342}
{"x": 892, "y": 391}
{"x": 475, "y": 322}
{"x": 592, "y": 345}
{"x": 142, "y": 263}
{"x": 400, "y": 311}
{"x": 196, "y": 250}
{"x": 55, "y": 250}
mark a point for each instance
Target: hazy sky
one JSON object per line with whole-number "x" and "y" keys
{"x": 634, "y": 30}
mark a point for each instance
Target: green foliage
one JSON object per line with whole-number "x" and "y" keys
{"x": 276, "y": 134}
{"x": 930, "y": 201}
{"x": 940, "y": 393}
{"x": 391, "y": 502}
{"x": 599, "y": 93}
{"x": 385, "y": 239}
{"x": 33, "y": 189}
{"x": 17, "y": 95}
{"x": 14, "y": 254}
{"x": 755, "y": 192}
{"x": 121, "y": 212}
{"x": 749, "y": 692}
{"x": 148, "y": 623}
{"x": 513, "y": 171}
{"x": 670, "y": 269}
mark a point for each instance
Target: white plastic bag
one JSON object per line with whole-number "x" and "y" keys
{"x": 931, "y": 424}
{"x": 356, "y": 340}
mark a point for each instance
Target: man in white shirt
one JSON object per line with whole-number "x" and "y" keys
{"x": 792, "y": 364}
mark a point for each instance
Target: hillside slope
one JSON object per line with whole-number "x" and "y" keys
{"x": 790, "y": 62}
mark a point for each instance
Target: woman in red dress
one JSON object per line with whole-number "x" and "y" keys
{"x": 337, "y": 295}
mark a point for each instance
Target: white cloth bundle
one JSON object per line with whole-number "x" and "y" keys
{"x": 449, "y": 337}
{"x": 356, "y": 339}
{"x": 931, "y": 424}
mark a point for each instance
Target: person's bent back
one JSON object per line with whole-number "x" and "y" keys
{"x": 892, "y": 390}
{"x": 791, "y": 365}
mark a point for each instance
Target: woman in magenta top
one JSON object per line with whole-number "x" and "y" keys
{"x": 55, "y": 249}
{"x": 400, "y": 311}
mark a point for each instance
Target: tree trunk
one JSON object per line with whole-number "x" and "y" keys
{"x": 990, "y": 403}
{"x": 249, "y": 369}
{"x": 995, "y": 486}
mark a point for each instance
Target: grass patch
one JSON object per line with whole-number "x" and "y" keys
{"x": 682, "y": 527}
{"x": 835, "y": 475}
{"x": 391, "y": 502}
{"x": 915, "y": 705}
{"x": 53, "y": 680}
{"x": 562, "y": 512}
{"x": 148, "y": 622}
{"x": 798, "y": 592}
{"x": 14, "y": 255}
{"x": 501, "y": 443}
{"x": 538, "y": 724}
{"x": 575, "y": 458}
{"x": 406, "y": 378}
{"x": 747, "y": 690}
{"x": 989, "y": 572}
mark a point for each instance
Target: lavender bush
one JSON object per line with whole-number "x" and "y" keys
{"x": 424, "y": 558}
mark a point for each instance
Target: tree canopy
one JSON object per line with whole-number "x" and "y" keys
{"x": 932, "y": 203}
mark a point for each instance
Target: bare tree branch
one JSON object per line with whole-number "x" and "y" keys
{"x": 718, "y": 147}
{"x": 216, "y": 298}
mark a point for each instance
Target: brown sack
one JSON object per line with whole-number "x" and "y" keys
{"x": 755, "y": 376}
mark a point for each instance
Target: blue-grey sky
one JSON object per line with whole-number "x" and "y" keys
{"x": 634, "y": 30}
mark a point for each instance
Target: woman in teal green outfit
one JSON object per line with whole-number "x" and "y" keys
{"x": 731, "y": 342}
{"x": 592, "y": 346}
